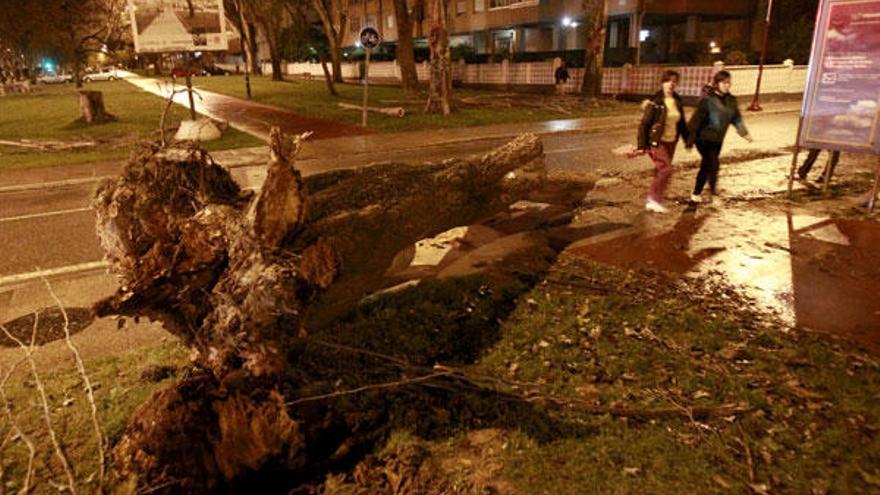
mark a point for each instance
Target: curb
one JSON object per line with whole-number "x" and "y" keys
{"x": 51, "y": 185}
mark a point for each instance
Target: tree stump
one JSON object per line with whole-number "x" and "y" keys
{"x": 91, "y": 106}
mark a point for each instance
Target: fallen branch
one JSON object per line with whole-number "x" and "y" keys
{"x": 47, "y": 145}
{"x": 482, "y": 381}
{"x": 17, "y": 431}
{"x": 90, "y": 393}
{"x": 44, "y": 401}
{"x": 392, "y": 112}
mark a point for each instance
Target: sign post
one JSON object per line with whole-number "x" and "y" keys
{"x": 841, "y": 106}
{"x": 370, "y": 39}
{"x": 166, "y": 26}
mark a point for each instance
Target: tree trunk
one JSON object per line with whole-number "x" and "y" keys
{"x": 596, "y": 22}
{"x": 440, "y": 88}
{"x": 336, "y": 61}
{"x": 277, "y": 73}
{"x": 234, "y": 276}
{"x": 409, "y": 78}
{"x": 91, "y": 106}
{"x": 328, "y": 77}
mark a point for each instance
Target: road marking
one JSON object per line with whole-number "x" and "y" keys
{"x": 53, "y": 272}
{"x": 46, "y": 214}
{"x": 51, "y": 185}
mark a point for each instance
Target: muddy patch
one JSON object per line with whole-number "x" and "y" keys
{"x": 49, "y": 326}
{"x": 817, "y": 273}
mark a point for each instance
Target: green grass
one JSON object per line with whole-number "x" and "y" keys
{"x": 310, "y": 98}
{"x": 119, "y": 389}
{"x": 642, "y": 342}
{"x": 50, "y": 113}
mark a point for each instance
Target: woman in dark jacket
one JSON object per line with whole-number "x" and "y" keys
{"x": 662, "y": 124}
{"x": 716, "y": 111}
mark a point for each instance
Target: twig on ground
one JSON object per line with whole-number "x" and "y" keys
{"x": 90, "y": 392}
{"x": 365, "y": 388}
{"x": 44, "y": 402}
{"x": 480, "y": 382}
{"x": 750, "y": 463}
{"x": 17, "y": 431}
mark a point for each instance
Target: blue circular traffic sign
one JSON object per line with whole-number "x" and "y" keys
{"x": 370, "y": 38}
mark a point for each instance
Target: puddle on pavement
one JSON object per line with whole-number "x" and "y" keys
{"x": 818, "y": 273}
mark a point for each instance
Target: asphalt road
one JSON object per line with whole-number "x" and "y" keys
{"x": 52, "y": 230}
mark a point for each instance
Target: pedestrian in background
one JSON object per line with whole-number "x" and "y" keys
{"x": 662, "y": 125}
{"x": 561, "y": 76}
{"x": 804, "y": 169}
{"x": 717, "y": 110}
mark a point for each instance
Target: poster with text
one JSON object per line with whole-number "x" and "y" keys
{"x": 842, "y": 100}
{"x": 177, "y": 25}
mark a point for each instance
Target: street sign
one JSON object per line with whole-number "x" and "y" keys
{"x": 164, "y": 26}
{"x": 841, "y": 108}
{"x": 370, "y": 38}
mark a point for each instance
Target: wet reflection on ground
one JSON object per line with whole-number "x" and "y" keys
{"x": 817, "y": 273}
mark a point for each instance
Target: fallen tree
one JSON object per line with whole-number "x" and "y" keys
{"x": 242, "y": 278}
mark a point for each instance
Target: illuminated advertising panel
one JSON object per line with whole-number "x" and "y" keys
{"x": 177, "y": 25}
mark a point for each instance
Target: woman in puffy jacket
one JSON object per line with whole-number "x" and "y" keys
{"x": 717, "y": 110}
{"x": 662, "y": 125}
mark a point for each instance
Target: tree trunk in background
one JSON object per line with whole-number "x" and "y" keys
{"x": 595, "y": 22}
{"x": 91, "y": 107}
{"x": 328, "y": 77}
{"x": 405, "y": 51}
{"x": 440, "y": 89}
{"x": 334, "y": 19}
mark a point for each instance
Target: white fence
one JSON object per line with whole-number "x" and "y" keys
{"x": 641, "y": 80}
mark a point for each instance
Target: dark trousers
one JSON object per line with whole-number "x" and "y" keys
{"x": 811, "y": 160}
{"x": 709, "y": 166}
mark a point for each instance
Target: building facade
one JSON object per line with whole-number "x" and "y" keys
{"x": 654, "y": 30}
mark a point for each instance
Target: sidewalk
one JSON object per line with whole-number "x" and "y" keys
{"x": 253, "y": 118}
{"x": 348, "y": 147}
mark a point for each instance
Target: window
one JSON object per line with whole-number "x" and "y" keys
{"x": 371, "y": 20}
{"x": 355, "y": 25}
{"x": 389, "y": 22}
{"x": 460, "y": 7}
{"x": 479, "y": 5}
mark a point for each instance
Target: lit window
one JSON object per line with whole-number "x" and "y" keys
{"x": 644, "y": 34}
{"x": 389, "y": 22}
{"x": 479, "y": 5}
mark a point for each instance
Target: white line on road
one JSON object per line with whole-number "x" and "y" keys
{"x": 53, "y": 272}
{"x": 45, "y": 214}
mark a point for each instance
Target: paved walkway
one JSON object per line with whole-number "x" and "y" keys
{"x": 253, "y": 118}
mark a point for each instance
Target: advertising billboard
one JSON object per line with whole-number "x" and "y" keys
{"x": 177, "y": 25}
{"x": 841, "y": 107}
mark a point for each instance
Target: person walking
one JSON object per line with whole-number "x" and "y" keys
{"x": 662, "y": 124}
{"x": 804, "y": 169}
{"x": 561, "y": 76}
{"x": 717, "y": 110}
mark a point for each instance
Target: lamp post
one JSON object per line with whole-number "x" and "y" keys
{"x": 566, "y": 24}
{"x": 755, "y": 106}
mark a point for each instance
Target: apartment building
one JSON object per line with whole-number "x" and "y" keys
{"x": 661, "y": 28}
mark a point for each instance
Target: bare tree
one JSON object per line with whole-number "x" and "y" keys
{"x": 440, "y": 89}
{"x": 405, "y": 53}
{"x": 238, "y": 14}
{"x": 334, "y": 18}
{"x": 595, "y": 21}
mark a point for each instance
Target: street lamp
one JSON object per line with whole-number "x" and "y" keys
{"x": 755, "y": 106}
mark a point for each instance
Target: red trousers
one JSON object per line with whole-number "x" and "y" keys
{"x": 662, "y": 157}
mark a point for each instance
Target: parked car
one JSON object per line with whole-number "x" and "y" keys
{"x": 181, "y": 71}
{"x": 101, "y": 74}
{"x": 54, "y": 78}
{"x": 213, "y": 70}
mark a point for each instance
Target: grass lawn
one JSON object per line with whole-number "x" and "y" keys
{"x": 51, "y": 111}
{"x": 310, "y": 98}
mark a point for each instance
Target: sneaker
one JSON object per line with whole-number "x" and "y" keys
{"x": 695, "y": 198}
{"x": 655, "y": 207}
